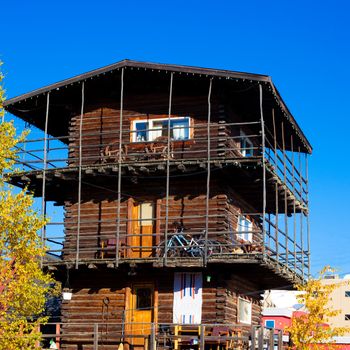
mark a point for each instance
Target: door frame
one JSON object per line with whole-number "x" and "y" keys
{"x": 129, "y": 300}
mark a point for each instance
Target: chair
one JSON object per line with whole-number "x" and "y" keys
{"x": 221, "y": 338}
{"x": 159, "y": 147}
{"x": 108, "y": 248}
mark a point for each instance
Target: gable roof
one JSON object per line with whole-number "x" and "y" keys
{"x": 209, "y": 72}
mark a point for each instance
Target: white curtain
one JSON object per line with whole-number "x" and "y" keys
{"x": 187, "y": 307}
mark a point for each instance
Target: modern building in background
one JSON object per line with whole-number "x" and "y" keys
{"x": 340, "y": 300}
{"x": 176, "y": 195}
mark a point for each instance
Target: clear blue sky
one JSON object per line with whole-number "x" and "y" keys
{"x": 303, "y": 45}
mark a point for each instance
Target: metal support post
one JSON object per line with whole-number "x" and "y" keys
{"x": 119, "y": 190}
{"x": 167, "y": 175}
{"x": 208, "y": 176}
{"x": 80, "y": 173}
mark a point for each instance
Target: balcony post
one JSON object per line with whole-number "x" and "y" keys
{"x": 119, "y": 190}
{"x": 307, "y": 214}
{"x": 95, "y": 336}
{"x": 301, "y": 216}
{"x": 294, "y": 216}
{"x": 43, "y": 199}
{"x": 208, "y": 175}
{"x": 276, "y": 184}
{"x": 263, "y": 167}
{"x": 153, "y": 344}
{"x": 202, "y": 337}
{"x": 285, "y": 194}
{"x": 167, "y": 175}
{"x": 80, "y": 173}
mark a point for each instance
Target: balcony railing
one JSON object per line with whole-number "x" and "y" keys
{"x": 150, "y": 336}
{"x": 226, "y": 242}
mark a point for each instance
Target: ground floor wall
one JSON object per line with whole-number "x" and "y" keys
{"x": 126, "y": 301}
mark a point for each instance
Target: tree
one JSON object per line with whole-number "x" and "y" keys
{"x": 311, "y": 329}
{"x": 24, "y": 287}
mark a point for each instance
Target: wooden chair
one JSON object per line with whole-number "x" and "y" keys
{"x": 159, "y": 148}
{"x": 190, "y": 336}
{"x": 110, "y": 154}
{"x": 108, "y": 248}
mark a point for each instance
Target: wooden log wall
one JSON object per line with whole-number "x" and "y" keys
{"x": 236, "y": 207}
{"x": 98, "y": 213}
{"x": 102, "y": 297}
{"x": 101, "y": 126}
{"x": 238, "y": 287}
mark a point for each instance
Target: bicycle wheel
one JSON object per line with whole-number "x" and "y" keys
{"x": 195, "y": 251}
{"x": 160, "y": 250}
{"x": 172, "y": 252}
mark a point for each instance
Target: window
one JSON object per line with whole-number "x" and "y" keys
{"x": 150, "y": 129}
{"x": 347, "y": 317}
{"x": 347, "y": 293}
{"x": 246, "y": 145}
{"x": 143, "y": 298}
{"x": 270, "y": 323}
{"x": 244, "y": 311}
{"x": 245, "y": 227}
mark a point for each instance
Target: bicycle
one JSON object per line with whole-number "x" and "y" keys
{"x": 179, "y": 245}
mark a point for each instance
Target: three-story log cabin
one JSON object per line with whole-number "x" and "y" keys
{"x": 183, "y": 193}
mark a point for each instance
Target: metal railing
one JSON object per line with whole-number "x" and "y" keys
{"x": 226, "y": 240}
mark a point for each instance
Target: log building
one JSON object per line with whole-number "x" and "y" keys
{"x": 176, "y": 195}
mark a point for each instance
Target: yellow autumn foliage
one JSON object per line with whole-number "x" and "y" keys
{"x": 24, "y": 287}
{"x": 311, "y": 330}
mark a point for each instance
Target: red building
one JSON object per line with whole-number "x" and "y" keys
{"x": 281, "y": 318}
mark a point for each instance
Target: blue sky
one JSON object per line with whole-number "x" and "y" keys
{"x": 303, "y": 45}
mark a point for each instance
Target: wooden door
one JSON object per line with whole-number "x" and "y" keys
{"x": 141, "y": 314}
{"x": 141, "y": 241}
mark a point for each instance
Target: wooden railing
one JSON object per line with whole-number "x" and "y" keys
{"x": 151, "y": 336}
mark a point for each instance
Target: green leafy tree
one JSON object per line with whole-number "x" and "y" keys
{"x": 24, "y": 287}
{"x": 311, "y": 330}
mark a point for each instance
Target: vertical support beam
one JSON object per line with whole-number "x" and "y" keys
{"x": 153, "y": 345}
{"x": 280, "y": 339}
{"x": 208, "y": 175}
{"x": 79, "y": 172}
{"x": 294, "y": 216}
{"x": 271, "y": 338}
{"x": 301, "y": 214}
{"x": 276, "y": 184}
{"x": 261, "y": 338}
{"x": 253, "y": 337}
{"x": 201, "y": 337}
{"x": 285, "y": 193}
{"x": 167, "y": 174}
{"x": 43, "y": 198}
{"x": 307, "y": 214}
{"x": 119, "y": 185}
{"x": 263, "y": 167}
{"x": 95, "y": 336}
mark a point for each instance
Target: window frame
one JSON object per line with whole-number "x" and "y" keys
{"x": 347, "y": 294}
{"x": 246, "y": 236}
{"x": 243, "y": 300}
{"x": 150, "y": 129}
{"x": 246, "y": 151}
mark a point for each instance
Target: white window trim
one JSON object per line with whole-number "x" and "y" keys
{"x": 249, "y": 142}
{"x": 250, "y": 311}
{"x": 150, "y": 122}
{"x": 245, "y": 234}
